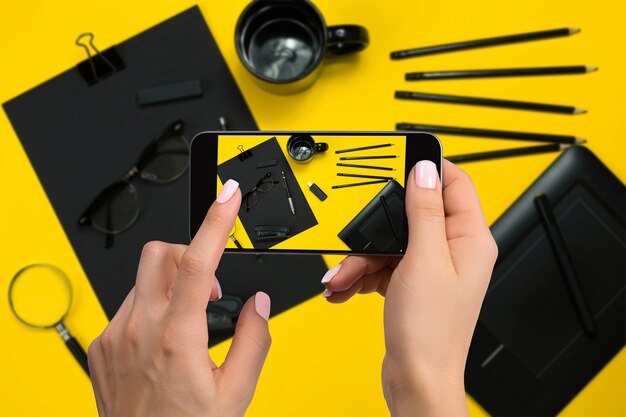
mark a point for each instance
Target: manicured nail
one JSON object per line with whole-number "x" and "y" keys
{"x": 219, "y": 289}
{"x": 262, "y": 304}
{"x": 227, "y": 191}
{"x": 327, "y": 293}
{"x": 330, "y": 274}
{"x": 426, "y": 174}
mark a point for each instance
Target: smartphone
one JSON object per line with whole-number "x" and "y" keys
{"x": 310, "y": 192}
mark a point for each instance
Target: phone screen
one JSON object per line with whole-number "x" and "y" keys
{"x": 312, "y": 192}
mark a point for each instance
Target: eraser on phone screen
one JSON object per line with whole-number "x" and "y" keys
{"x": 317, "y": 191}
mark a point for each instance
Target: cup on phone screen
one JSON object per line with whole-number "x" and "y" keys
{"x": 302, "y": 148}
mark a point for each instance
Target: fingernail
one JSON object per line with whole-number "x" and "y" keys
{"x": 219, "y": 289}
{"x": 327, "y": 293}
{"x": 227, "y": 191}
{"x": 262, "y": 304}
{"x": 330, "y": 274}
{"x": 426, "y": 174}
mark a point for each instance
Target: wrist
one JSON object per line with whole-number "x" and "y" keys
{"x": 413, "y": 391}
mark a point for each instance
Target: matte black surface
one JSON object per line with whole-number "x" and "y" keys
{"x": 530, "y": 354}
{"x": 272, "y": 207}
{"x": 80, "y": 138}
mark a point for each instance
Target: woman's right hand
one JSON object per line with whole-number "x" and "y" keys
{"x": 432, "y": 295}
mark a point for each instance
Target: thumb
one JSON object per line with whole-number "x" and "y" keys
{"x": 424, "y": 210}
{"x": 251, "y": 343}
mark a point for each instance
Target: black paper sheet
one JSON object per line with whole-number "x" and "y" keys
{"x": 272, "y": 207}
{"x": 79, "y": 139}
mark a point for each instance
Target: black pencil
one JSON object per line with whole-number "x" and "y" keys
{"x": 479, "y": 43}
{"x": 355, "y": 158}
{"x": 564, "y": 260}
{"x": 488, "y": 133}
{"x": 364, "y": 148}
{"x": 378, "y": 177}
{"x": 489, "y": 102}
{"x": 339, "y": 164}
{"x": 506, "y": 153}
{"x": 500, "y": 72}
{"x": 357, "y": 184}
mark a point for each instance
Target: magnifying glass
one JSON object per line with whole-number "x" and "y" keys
{"x": 40, "y": 296}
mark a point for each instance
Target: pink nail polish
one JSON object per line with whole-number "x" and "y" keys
{"x": 426, "y": 174}
{"x": 330, "y": 274}
{"x": 219, "y": 289}
{"x": 227, "y": 191}
{"x": 262, "y": 304}
{"x": 327, "y": 293}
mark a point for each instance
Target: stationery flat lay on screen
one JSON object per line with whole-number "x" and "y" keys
{"x": 132, "y": 141}
{"x": 330, "y": 192}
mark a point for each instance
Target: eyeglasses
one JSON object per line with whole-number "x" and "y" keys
{"x": 251, "y": 198}
{"x": 163, "y": 161}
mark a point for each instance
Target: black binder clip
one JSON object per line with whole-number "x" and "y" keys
{"x": 243, "y": 154}
{"x": 99, "y": 65}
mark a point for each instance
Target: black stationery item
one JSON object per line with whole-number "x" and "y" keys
{"x": 480, "y": 43}
{"x": 381, "y": 225}
{"x": 169, "y": 92}
{"x": 98, "y": 132}
{"x": 340, "y": 164}
{"x": 270, "y": 233}
{"x": 500, "y": 72}
{"x": 364, "y": 148}
{"x": 100, "y": 65}
{"x": 563, "y": 258}
{"x": 358, "y": 184}
{"x": 222, "y": 314}
{"x": 266, "y": 164}
{"x": 293, "y": 210}
{"x": 377, "y": 177}
{"x": 317, "y": 191}
{"x": 271, "y": 207}
{"x": 490, "y": 133}
{"x": 356, "y": 158}
{"x": 489, "y": 102}
{"x": 530, "y": 354}
{"x": 223, "y": 123}
{"x": 116, "y": 208}
{"x": 506, "y": 153}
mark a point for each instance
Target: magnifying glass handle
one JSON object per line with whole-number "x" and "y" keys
{"x": 74, "y": 347}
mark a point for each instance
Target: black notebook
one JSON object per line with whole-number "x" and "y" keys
{"x": 80, "y": 138}
{"x": 530, "y": 354}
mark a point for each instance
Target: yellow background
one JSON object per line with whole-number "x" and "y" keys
{"x": 325, "y": 359}
{"x": 342, "y": 205}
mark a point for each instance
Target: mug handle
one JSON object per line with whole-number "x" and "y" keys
{"x": 345, "y": 39}
{"x": 321, "y": 147}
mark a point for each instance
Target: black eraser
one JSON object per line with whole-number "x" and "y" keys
{"x": 169, "y": 92}
{"x": 265, "y": 164}
{"x": 317, "y": 191}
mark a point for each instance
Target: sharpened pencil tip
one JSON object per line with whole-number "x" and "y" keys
{"x": 591, "y": 69}
{"x": 580, "y": 141}
{"x": 579, "y": 111}
{"x": 573, "y": 31}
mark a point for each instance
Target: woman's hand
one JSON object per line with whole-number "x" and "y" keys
{"x": 152, "y": 359}
{"x": 433, "y": 293}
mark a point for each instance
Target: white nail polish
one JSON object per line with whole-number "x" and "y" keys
{"x": 330, "y": 274}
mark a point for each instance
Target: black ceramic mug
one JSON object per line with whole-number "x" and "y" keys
{"x": 302, "y": 148}
{"x": 283, "y": 43}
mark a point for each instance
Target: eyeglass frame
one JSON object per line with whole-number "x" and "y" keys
{"x": 256, "y": 189}
{"x": 136, "y": 170}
